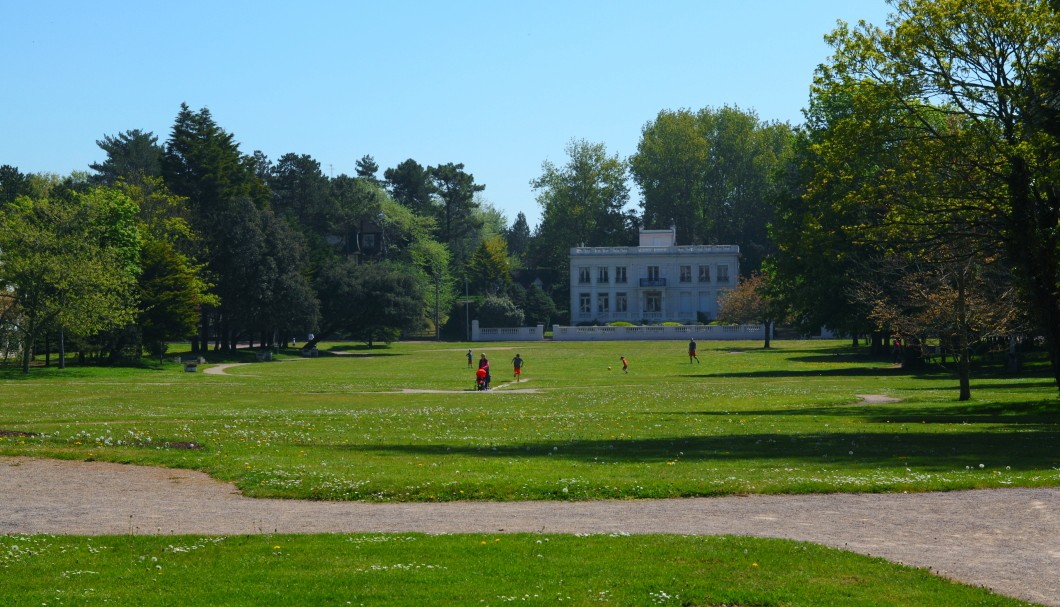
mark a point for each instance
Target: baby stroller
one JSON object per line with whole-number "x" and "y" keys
{"x": 481, "y": 379}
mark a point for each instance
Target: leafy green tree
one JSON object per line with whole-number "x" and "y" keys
{"x": 539, "y": 307}
{"x": 69, "y": 264}
{"x": 132, "y": 156}
{"x": 583, "y": 203}
{"x": 285, "y": 302}
{"x": 821, "y": 252}
{"x": 956, "y": 88}
{"x": 370, "y": 302}
{"x": 488, "y": 270}
{"x": 499, "y": 311}
{"x": 708, "y": 174}
{"x": 170, "y": 290}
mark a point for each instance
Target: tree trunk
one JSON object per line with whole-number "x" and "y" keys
{"x": 964, "y": 368}
{"x": 1033, "y": 242}
{"x": 62, "y": 348}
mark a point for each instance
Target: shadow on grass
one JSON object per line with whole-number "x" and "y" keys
{"x": 817, "y": 372}
{"x": 1023, "y": 449}
{"x": 1043, "y": 413}
{"x": 358, "y": 351}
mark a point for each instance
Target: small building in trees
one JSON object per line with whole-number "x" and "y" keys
{"x": 655, "y": 282}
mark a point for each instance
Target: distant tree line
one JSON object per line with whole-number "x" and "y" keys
{"x": 919, "y": 199}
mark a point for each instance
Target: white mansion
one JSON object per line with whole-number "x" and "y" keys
{"x": 656, "y": 281}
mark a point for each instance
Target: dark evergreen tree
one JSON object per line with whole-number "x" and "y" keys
{"x": 203, "y": 163}
{"x": 410, "y": 184}
{"x": 367, "y": 168}
{"x": 13, "y": 184}
{"x": 133, "y": 156}
{"x": 518, "y": 237}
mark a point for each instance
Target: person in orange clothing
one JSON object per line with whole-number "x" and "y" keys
{"x": 517, "y": 365}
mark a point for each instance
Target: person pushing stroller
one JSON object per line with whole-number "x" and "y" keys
{"x": 482, "y": 375}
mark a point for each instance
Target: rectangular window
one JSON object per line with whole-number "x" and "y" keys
{"x": 653, "y": 302}
{"x": 686, "y": 274}
{"x": 602, "y": 303}
{"x": 583, "y": 276}
{"x": 620, "y": 275}
{"x": 585, "y": 304}
{"x": 704, "y": 273}
{"x": 601, "y": 276}
{"x": 653, "y": 273}
{"x": 723, "y": 273}
{"x": 621, "y": 303}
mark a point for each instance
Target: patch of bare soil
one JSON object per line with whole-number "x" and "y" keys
{"x": 877, "y": 399}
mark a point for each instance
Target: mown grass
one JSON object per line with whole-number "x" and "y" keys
{"x": 746, "y": 420}
{"x": 402, "y": 423}
{"x": 486, "y": 570}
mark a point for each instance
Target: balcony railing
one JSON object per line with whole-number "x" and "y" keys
{"x": 650, "y": 282}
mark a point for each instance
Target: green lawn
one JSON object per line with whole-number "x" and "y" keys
{"x": 403, "y": 423}
{"x": 486, "y": 570}
{"x": 746, "y": 420}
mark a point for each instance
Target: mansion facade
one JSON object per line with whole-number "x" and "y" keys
{"x": 656, "y": 281}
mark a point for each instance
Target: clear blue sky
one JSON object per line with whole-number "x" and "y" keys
{"x": 499, "y": 86}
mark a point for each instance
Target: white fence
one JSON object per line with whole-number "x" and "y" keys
{"x": 507, "y": 333}
{"x": 653, "y": 332}
{"x": 658, "y": 332}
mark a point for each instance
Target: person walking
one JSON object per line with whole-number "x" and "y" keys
{"x": 469, "y": 357}
{"x": 692, "y": 350}
{"x": 484, "y": 363}
{"x": 517, "y": 365}
{"x": 625, "y": 364}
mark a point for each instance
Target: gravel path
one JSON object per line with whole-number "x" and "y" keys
{"x": 1007, "y": 540}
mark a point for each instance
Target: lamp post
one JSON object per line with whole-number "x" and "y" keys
{"x": 467, "y": 312}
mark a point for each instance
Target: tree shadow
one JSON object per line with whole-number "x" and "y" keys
{"x": 1023, "y": 449}
{"x": 1042, "y": 413}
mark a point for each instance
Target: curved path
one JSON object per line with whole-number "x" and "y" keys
{"x": 1007, "y": 540}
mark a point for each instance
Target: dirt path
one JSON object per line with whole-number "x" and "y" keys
{"x": 1006, "y": 540}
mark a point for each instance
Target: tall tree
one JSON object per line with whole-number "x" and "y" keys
{"x": 709, "y": 174}
{"x": 13, "y": 184}
{"x": 518, "y": 236}
{"x": 132, "y": 156}
{"x": 202, "y": 163}
{"x": 410, "y": 184}
{"x": 961, "y": 78}
{"x": 371, "y": 302}
{"x": 300, "y": 191}
{"x": 583, "y": 203}
{"x": 69, "y": 264}
{"x": 488, "y": 269}
{"x": 367, "y": 168}
{"x": 458, "y": 223}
